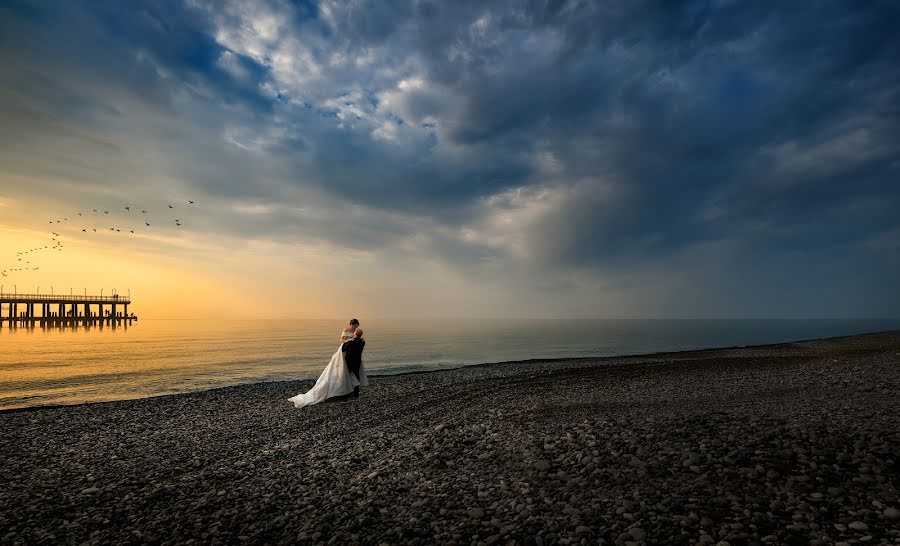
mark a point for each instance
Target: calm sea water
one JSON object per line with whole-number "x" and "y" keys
{"x": 153, "y": 357}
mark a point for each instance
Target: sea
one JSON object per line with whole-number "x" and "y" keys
{"x": 55, "y": 366}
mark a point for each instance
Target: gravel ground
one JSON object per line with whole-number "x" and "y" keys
{"x": 788, "y": 444}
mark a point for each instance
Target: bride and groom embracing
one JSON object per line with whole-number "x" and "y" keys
{"x": 343, "y": 375}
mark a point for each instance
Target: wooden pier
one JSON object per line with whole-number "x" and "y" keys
{"x": 47, "y": 310}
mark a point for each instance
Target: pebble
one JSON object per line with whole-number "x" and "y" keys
{"x": 542, "y": 466}
{"x": 476, "y": 513}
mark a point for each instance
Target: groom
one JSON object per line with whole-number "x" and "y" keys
{"x": 352, "y": 350}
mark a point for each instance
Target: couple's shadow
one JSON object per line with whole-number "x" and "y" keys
{"x": 349, "y": 397}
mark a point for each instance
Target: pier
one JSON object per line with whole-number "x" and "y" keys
{"x": 48, "y": 310}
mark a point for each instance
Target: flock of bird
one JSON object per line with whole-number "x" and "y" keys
{"x": 23, "y": 260}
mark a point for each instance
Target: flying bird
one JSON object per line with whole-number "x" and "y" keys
{"x": 171, "y": 207}
{"x": 144, "y": 212}
{"x": 148, "y": 223}
{"x": 191, "y": 202}
{"x": 132, "y": 231}
{"x": 84, "y": 230}
{"x": 127, "y": 208}
{"x": 105, "y": 212}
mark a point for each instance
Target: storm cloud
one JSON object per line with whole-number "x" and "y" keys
{"x": 684, "y": 158}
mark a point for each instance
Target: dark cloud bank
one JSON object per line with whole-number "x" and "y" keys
{"x": 744, "y": 154}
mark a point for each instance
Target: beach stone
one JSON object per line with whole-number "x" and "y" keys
{"x": 891, "y": 514}
{"x": 476, "y": 513}
{"x": 90, "y": 491}
{"x": 858, "y": 526}
{"x": 542, "y": 466}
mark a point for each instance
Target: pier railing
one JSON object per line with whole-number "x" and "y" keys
{"x": 59, "y": 298}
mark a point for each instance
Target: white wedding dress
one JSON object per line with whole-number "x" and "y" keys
{"x": 336, "y": 380}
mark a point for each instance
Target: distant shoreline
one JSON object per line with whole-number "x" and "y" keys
{"x": 585, "y": 359}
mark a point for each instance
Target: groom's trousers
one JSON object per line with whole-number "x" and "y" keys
{"x": 355, "y": 371}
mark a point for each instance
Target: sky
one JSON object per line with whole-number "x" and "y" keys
{"x": 472, "y": 159}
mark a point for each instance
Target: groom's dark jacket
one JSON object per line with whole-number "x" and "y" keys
{"x": 353, "y": 354}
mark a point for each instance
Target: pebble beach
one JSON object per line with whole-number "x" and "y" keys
{"x": 787, "y": 444}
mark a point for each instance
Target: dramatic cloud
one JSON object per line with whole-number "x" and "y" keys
{"x": 608, "y": 158}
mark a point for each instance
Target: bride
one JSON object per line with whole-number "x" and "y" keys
{"x": 336, "y": 379}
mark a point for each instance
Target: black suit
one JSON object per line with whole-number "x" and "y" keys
{"x": 353, "y": 356}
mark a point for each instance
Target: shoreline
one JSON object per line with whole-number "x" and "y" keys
{"x": 597, "y": 359}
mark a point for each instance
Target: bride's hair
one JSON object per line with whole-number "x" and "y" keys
{"x": 354, "y": 322}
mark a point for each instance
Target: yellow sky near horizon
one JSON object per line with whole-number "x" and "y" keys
{"x": 170, "y": 273}
{"x": 179, "y": 273}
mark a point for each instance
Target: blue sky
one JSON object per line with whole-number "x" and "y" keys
{"x": 519, "y": 158}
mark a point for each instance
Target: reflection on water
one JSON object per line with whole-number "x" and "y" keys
{"x": 66, "y": 323}
{"x": 153, "y": 357}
